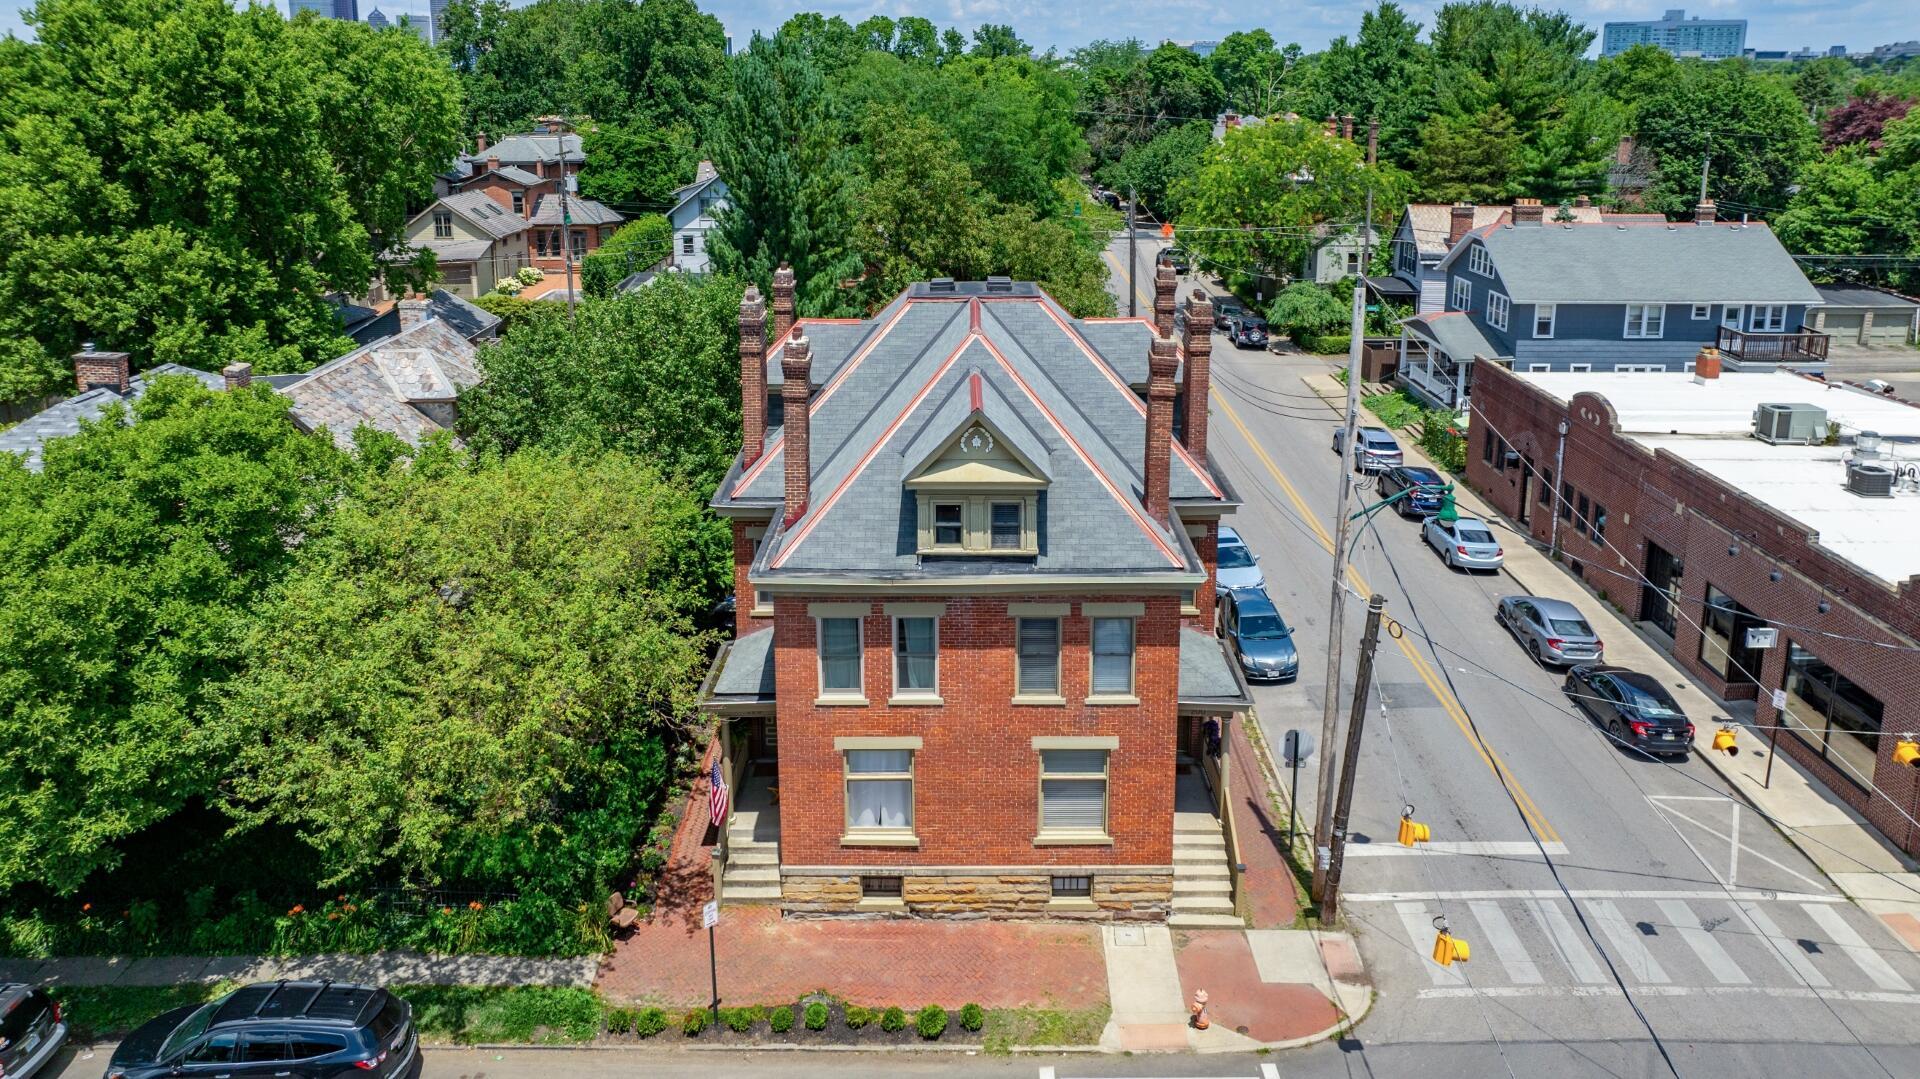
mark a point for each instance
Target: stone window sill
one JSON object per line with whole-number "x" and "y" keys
{"x": 882, "y": 903}
{"x": 1114, "y": 698}
{"x": 879, "y": 839}
{"x": 760, "y": 612}
{"x": 1073, "y": 839}
{"x": 840, "y": 701}
{"x": 913, "y": 700}
{"x": 1072, "y": 903}
{"x": 1040, "y": 699}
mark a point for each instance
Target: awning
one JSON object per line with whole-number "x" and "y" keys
{"x": 1454, "y": 333}
{"x": 741, "y": 680}
{"x": 1209, "y": 681}
{"x": 1396, "y": 289}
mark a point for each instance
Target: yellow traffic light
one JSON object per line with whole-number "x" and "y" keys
{"x": 1723, "y": 742}
{"x": 1907, "y": 753}
{"x": 1412, "y": 831}
{"x": 1447, "y": 950}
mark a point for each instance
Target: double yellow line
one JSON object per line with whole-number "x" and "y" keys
{"x": 1448, "y": 702}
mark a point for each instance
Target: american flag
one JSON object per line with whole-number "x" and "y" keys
{"x": 717, "y": 795}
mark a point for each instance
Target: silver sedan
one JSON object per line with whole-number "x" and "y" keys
{"x": 1553, "y": 631}
{"x": 1465, "y": 543}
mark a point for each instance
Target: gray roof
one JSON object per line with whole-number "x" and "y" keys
{"x": 29, "y": 437}
{"x": 1863, "y": 296}
{"x": 404, "y": 385}
{"x": 1432, "y": 221}
{"x": 467, "y": 320}
{"x": 748, "y": 670}
{"x": 527, "y": 148}
{"x": 1207, "y": 677}
{"x": 457, "y": 250}
{"x": 682, "y": 195}
{"x": 905, "y": 380}
{"x": 478, "y": 207}
{"x": 507, "y": 172}
{"x": 1455, "y": 333}
{"x": 583, "y": 211}
{"x": 1608, "y": 263}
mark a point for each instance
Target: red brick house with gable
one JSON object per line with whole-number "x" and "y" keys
{"x": 974, "y": 670}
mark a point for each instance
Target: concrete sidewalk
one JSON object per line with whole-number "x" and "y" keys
{"x": 380, "y": 968}
{"x": 1860, "y": 862}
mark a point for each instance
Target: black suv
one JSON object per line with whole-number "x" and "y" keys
{"x": 30, "y": 1030}
{"x": 303, "y": 1030}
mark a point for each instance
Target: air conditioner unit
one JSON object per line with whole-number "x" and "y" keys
{"x": 1870, "y": 480}
{"x": 1790, "y": 423}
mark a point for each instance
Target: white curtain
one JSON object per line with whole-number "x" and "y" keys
{"x": 880, "y": 803}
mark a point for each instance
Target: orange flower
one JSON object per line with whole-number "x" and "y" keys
{"x": 349, "y": 908}
{"x": 475, "y": 905}
{"x": 333, "y": 915}
{"x": 298, "y": 909}
{"x": 446, "y": 910}
{"x": 85, "y": 907}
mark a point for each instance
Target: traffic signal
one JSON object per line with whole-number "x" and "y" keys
{"x": 1723, "y": 742}
{"x": 1447, "y": 950}
{"x": 1907, "y": 753}
{"x": 1411, "y": 831}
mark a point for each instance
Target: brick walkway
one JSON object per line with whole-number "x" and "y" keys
{"x": 765, "y": 959}
{"x": 1223, "y": 965}
{"x": 1268, "y": 883}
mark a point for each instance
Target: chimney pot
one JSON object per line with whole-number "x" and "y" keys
{"x": 796, "y": 371}
{"x": 1165, "y": 284}
{"x": 238, "y": 375}
{"x": 1706, "y": 365}
{"x": 1704, "y": 212}
{"x": 413, "y": 311}
{"x": 1346, "y": 127}
{"x": 1198, "y": 377}
{"x": 93, "y": 369}
{"x": 1582, "y": 201}
{"x": 1528, "y": 211}
{"x": 1163, "y": 357}
{"x": 783, "y": 294}
{"x": 1459, "y": 222}
{"x": 753, "y": 375}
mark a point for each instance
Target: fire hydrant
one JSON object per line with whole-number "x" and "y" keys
{"x": 1199, "y": 1010}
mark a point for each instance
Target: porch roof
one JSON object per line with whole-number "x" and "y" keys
{"x": 1454, "y": 333}
{"x": 741, "y": 679}
{"x": 1208, "y": 680}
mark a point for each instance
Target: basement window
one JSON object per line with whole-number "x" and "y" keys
{"x": 880, "y": 887}
{"x": 1072, "y": 887}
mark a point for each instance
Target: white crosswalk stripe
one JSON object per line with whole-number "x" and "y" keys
{"x": 1714, "y": 957}
{"x": 1856, "y": 948}
{"x": 1521, "y": 970}
{"x": 1567, "y": 942}
{"x": 1627, "y": 942}
{"x": 1419, "y": 925}
{"x": 1788, "y": 952}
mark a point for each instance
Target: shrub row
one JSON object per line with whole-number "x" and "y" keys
{"x": 931, "y": 1021}
{"x": 1326, "y": 344}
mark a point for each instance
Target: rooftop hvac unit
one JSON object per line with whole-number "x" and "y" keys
{"x": 1869, "y": 480}
{"x": 1794, "y": 423}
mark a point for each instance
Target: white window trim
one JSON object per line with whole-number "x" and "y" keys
{"x": 1455, "y": 298}
{"x": 821, "y": 613}
{"x": 1732, "y": 316}
{"x": 1131, "y": 696}
{"x": 976, "y": 523}
{"x": 1045, "y": 837}
{"x": 1497, "y": 303}
{"x": 1552, "y": 319}
{"x": 1480, "y": 261}
{"x": 911, "y": 696}
{"x": 1579, "y": 368}
{"x": 879, "y": 837}
{"x": 760, "y": 602}
{"x": 1702, "y": 311}
{"x": 1536, "y": 368}
{"x": 1057, "y": 613}
{"x": 1760, "y": 318}
{"x": 1626, "y": 322}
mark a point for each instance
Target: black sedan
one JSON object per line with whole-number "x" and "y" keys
{"x": 1427, "y": 486}
{"x": 1634, "y": 708}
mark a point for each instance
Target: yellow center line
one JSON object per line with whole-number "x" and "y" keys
{"x": 1448, "y": 702}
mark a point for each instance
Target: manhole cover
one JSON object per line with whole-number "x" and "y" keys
{"x": 1131, "y": 936}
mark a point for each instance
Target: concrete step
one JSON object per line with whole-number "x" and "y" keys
{"x": 751, "y": 874}
{"x": 1184, "y": 886}
{"x": 1194, "y": 822}
{"x": 1202, "y": 904}
{"x": 751, "y": 893}
{"x": 1199, "y": 841}
{"x": 757, "y": 854}
{"x": 743, "y": 837}
{"x": 1204, "y": 921}
{"x": 1182, "y": 855}
{"x": 1198, "y": 870}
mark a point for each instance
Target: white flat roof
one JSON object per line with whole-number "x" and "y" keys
{"x": 1710, "y": 426}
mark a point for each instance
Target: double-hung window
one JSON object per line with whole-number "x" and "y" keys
{"x": 1006, "y": 529}
{"x": 520, "y": 203}
{"x": 686, "y": 243}
{"x": 879, "y": 791}
{"x": 1767, "y": 317}
{"x": 1702, "y": 311}
{"x": 443, "y": 224}
{"x": 1073, "y": 791}
{"x": 1479, "y": 261}
{"x": 916, "y": 656}
{"x": 1462, "y": 295}
{"x": 1498, "y": 307}
{"x": 1112, "y": 657}
{"x": 1038, "y": 657}
{"x": 1543, "y": 318}
{"x": 1645, "y": 320}
{"x": 839, "y": 646}
{"x": 949, "y": 524}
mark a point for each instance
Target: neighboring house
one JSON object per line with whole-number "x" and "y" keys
{"x": 1428, "y": 230}
{"x": 1338, "y": 253}
{"x": 1864, "y": 315}
{"x": 588, "y": 222}
{"x": 365, "y": 325}
{"x": 552, "y": 150}
{"x": 103, "y": 379}
{"x": 405, "y": 385}
{"x": 1547, "y": 296}
{"x": 476, "y": 241}
{"x": 975, "y": 592}
{"x": 692, "y": 219}
{"x": 538, "y": 201}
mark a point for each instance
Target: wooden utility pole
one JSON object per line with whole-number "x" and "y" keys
{"x": 1343, "y": 808}
{"x": 1133, "y": 302}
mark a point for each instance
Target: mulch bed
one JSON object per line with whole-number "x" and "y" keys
{"x": 836, "y": 1032}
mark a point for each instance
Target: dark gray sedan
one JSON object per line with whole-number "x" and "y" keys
{"x": 31, "y": 1030}
{"x": 1262, "y": 642}
{"x": 1553, "y": 631}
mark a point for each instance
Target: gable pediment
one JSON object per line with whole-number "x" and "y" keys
{"x": 976, "y": 440}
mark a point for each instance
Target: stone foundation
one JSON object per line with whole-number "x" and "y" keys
{"x": 1127, "y": 894}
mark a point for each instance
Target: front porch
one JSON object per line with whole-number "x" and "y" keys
{"x": 1437, "y": 354}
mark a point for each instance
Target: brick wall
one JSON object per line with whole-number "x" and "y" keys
{"x": 1661, "y": 498}
{"x": 976, "y": 782}
{"x": 743, "y": 620}
{"x": 1207, "y": 546}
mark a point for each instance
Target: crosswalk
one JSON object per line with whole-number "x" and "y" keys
{"x": 1669, "y": 944}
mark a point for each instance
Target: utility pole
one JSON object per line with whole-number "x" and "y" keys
{"x": 1559, "y": 475}
{"x": 1705, "y": 162}
{"x": 1336, "y": 606}
{"x": 1133, "y": 298}
{"x": 1330, "y": 897}
{"x": 566, "y": 212}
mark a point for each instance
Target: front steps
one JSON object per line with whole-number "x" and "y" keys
{"x": 1202, "y": 881}
{"x": 753, "y": 864}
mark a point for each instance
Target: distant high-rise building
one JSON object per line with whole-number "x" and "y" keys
{"x": 419, "y": 24}
{"x": 378, "y": 20}
{"x": 439, "y": 11}
{"x": 331, "y": 9}
{"x": 1709, "y": 39}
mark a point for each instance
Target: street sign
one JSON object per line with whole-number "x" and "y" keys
{"x": 1296, "y": 748}
{"x": 1762, "y": 636}
{"x": 710, "y": 914}
{"x": 1779, "y": 700}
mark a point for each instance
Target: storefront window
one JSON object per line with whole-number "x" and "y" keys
{"x": 1723, "y": 638}
{"x": 1832, "y": 714}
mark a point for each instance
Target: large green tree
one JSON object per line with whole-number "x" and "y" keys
{"x": 1158, "y": 168}
{"x": 1253, "y": 73}
{"x": 1755, "y": 131}
{"x": 1384, "y": 74}
{"x": 130, "y": 568}
{"x": 921, "y": 214}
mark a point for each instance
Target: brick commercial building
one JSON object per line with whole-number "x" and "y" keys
{"x": 974, "y": 670}
{"x": 1705, "y": 509}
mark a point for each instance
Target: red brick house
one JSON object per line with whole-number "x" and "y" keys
{"x": 974, "y": 669}
{"x": 1688, "y": 502}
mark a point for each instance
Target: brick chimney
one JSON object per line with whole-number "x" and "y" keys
{"x": 1346, "y": 127}
{"x": 480, "y": 143}
{"x": 753, "y": 375}
{"x": 1163, "y": 356}
{"x": 1582, "y": 201}
{"x": 1704, "y": 212}
{"x": 238, "y": 375}
{"x": 796, "y": 366}
{"x": 1198, "y": 380}
{"x": 1333, "y": 126}
{"x": 493, "y": 163}
{"x": 782, "y": 301}
{"x": 93, "y": 369}
{"x": 413, "y": 311}
{"x": 1528, "y": 212}
{"x": 1706, "y": 365}
{"x": 1459, "y": 222}
{"x": 1623, "y": 153}
{"x": 1165, "y": 284}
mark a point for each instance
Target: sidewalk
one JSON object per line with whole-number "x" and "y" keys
{"x": 381, "y": 968}
{"x": 1861, "y": 864}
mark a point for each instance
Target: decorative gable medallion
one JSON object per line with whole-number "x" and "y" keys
{"x": 977, "y": 442}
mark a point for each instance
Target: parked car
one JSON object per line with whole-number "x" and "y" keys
{"x": 31, "y": 1029}
{"x": 1466, "y": 543}
{"x": 1226, "y": 310}
{"x": 291, "y": 1030}
{"x": 1552, "y": 631}
{"x": 1427, "y": 489}
{"x": 1635, "y": 708}
{"x": 1261, "y": 640}
{"x": 1249, "y": 331}
{"x": 1182, "y": 261}
{"x": 1374, "y": 449}
{"x": 1235, "y": 565}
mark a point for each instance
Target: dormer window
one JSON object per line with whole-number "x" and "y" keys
{"x": 949, "y": 524}
{"x": 976, "y": 488}
{"x": 1006, "y": 531}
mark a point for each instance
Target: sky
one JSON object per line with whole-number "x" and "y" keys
{"x": 1771, "y": 24}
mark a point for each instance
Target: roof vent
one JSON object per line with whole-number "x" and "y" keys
{"x": 999, "y": 284}
{"x": 1867, "y": 444}
{"x": 1869, "y": 480}
{"x": 1799, "y": 424}
{"x": 941, "y": 284}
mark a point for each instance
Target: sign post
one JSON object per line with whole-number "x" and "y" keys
{"x": 1773, "y": 742}
{"x": 1296, "y": 747}
{"x": 710, "y": 917}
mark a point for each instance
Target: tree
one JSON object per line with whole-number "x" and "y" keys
{"x": 1863, "y": 119}
{"x": 1063, "y": 260}
{"x": 921, "y": 213}
{"x": 789, "y": 179}
{"x": 915, "y": 38}
{"x": 1840, "y": 208}
{"x": 992, "y": 40}
{"x": 1306, "y": 309}
{"x": 471, "y": 677}
{"x": 1251, "y": 71}
{"x": 129, "y": 568}
{"x": 1385, "y": 74}
{"x": 1755, "y": 129}
{"x": 1469, "y": 158}
{"x": 1158, "y": 168}
{"x": 636, "y": 163}
{"x": 641, "y": 243}
{"x": 1822, "y": 84}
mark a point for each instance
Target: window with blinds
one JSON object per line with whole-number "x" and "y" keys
{"x": 839, "y": 656}
{"x": 1113, "y": 656}
{"x": 1005, "y": 526}
{"x": 1073, "y": 790}
{"x": 1038, "y": 656}
{"x": 916, "y": 656}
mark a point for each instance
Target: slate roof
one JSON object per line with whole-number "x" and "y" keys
{"x": 479, "y": 208}
{"x": 584, "y": 211}
{"x": 742, "y": 674}
{"x": 1643, "y": 264}
{"x": 513, "y": 173}
{"x": 529, "y": 147}
{"x": 1207, "y": 677}
{"x": 28, "y": 438}
{"x": 468, "y": 321}
{"x": 1433, "y": 220}
{"x": 889, "y": 389}
{"x": 404, "y": 385}
{"x": 457, "y": 250}
{"x": 1454, "y": 332}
